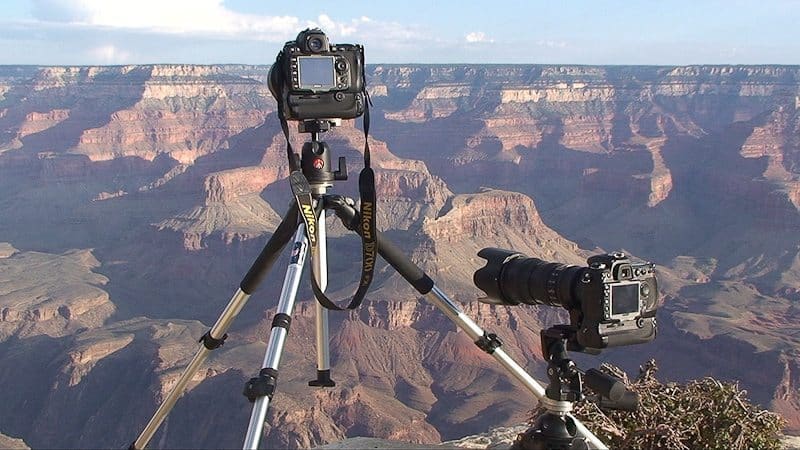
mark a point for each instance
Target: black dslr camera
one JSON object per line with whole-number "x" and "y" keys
{"x": 314, "y": 80}
{"x": 611, "y": 302}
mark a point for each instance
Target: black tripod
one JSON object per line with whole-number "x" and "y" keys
{"x": 315, "y": 163}
{"x": 556, "y": 429}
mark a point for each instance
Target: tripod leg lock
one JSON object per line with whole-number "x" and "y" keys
{"x": 282, "y": 320}
{"x": 488, "y": 343}
{"x": 263, "y": 384}
{"x": 212, "y": 343}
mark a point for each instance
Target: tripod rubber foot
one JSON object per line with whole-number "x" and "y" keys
{"x": 323, "y": 379}
{"x": 551, "y": 432}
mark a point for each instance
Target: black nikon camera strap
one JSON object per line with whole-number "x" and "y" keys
{"x": 301, "y": 189}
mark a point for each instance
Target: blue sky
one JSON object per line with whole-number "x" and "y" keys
{"x": 662, "y": 32}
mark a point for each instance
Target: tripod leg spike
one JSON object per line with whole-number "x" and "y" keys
{"x": 323, "y": 379}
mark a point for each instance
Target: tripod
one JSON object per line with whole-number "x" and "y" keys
{"x": 556, "y": 429}
{"x": 315, "y": 163}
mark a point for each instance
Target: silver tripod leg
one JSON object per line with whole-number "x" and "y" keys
{"x": 216, "y": 336}
{"x": 277, "y": 339}
{"x": 217, "y": 333}
{"x": 478, "y": 335}
{"x": 320, "y": 265}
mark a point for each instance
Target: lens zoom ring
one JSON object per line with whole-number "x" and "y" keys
{"x": 552, "y": 285}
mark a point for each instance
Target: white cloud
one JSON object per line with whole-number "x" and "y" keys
{"x": 478, "y": 36}
{"x": 338, "y": 29}
{"x": 197, "y": 17}
{"x": 173, "y": 16}
{"x": 199, "y": 31}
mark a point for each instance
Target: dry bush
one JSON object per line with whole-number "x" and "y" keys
{"x": 702, "y": 414}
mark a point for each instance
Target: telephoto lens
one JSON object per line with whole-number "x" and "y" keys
{"x": 511, "y": 278}
{"x": 611, "y": 302}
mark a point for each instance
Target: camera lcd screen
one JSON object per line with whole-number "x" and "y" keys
{"x": 316, "y": 72}
{"x": 624, "y": 298}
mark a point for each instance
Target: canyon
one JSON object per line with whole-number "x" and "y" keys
{"x": 133, "y": 199}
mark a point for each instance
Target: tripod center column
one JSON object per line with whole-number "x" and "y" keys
{"x": 319, "y": 264}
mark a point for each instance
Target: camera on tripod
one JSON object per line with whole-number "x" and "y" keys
{"x": 612, "y": 302}
{"x": 314, "y": 79}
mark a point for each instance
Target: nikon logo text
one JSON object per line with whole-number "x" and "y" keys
{"x": 366, "y": 225}
{"x": 369, "y": 247}
{"x": 311, "y": 223}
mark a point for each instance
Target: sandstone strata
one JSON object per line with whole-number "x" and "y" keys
{"x": 181, "y": 111}
{"x": 584, "y": 110}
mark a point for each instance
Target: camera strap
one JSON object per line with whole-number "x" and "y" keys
{"x": 301, "y": 189}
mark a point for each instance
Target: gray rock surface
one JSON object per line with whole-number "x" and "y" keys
{"x": 375, "y": 443}
{"x": 6, "y": 250}
{"x": 497, "y": 438}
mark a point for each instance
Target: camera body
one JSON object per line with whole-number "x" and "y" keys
{"x": 618, "y": 301}
{"x": 611, "y": 302}
{"x": 315, "y": 80}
